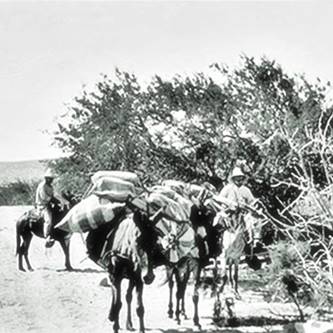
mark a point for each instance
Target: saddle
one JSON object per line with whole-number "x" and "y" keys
{"x": 33, "y": 216}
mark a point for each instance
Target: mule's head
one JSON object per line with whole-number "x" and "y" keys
{"x": 201, "y": 215}
{"x": 71, "y": 198}
{"x": 58, "y": 209}
{"x": 148, "y": 239}
{"x": 55, "y": 206}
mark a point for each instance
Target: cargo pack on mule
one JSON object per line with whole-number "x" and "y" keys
{"x": 167, "y": 216}
{"x": 111, "y": 197}
{"x": 107, "y": 196}
{"x": 176, "y": 232}
{"x": 103, "y": 204}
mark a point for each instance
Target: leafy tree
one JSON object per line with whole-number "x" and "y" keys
{"x": 105, "y": 130}
{"x": 193, "y": 128}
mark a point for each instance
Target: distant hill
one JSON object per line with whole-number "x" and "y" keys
{"x": 23, "y": 170}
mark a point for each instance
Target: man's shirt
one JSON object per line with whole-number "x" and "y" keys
{"x": 44, "y": 194}
{"x": 234, "y": 196}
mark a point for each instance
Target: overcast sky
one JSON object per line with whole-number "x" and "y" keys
{"x": 49, "y": 50}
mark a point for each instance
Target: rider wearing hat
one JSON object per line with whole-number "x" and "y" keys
{"x": 44, "y": 196}
{"x": 235, "y": 195}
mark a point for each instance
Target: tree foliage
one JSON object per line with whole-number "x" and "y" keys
{"x": 193, "y": 128}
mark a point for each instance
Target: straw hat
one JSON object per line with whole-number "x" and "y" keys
{"x": 237, "y": 172}
{"x": 49, "y": 174}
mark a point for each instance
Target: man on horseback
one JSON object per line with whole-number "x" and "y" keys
{"x": 236, "y": 196}
{"x": 237, "y": 200}
{"x": 45, "y": 196}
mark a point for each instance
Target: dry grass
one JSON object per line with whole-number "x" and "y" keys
{"x": 24, "y": 171}
{"x": 18, "y": 181}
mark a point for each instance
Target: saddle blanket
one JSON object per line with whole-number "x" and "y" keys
{"x": 32, "y": 215}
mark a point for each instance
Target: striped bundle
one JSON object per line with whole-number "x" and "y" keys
{"x": 127, "y": 176}
{"x": 89, "y": 214}
{"x": 114, "y": 189}
{"x": 176, "y": 210}
{"x": 108, "y": 194}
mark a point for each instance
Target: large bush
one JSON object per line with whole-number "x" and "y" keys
{"x": 193, "y": 128}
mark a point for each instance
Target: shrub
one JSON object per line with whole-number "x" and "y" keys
{"x": 18, "y": 193}
{"x": 301, "y": 269}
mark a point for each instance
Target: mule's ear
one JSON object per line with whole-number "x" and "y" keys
{"x": 136, "y": 217}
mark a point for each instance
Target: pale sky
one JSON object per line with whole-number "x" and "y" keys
{"x": 49, "y": 50}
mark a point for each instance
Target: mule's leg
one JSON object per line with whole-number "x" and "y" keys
{"x": 26, "y": 245}
{"x": 140, "y": 310}
{"x": 129, "y": 296}
{"x": 196, "y": 274}
{"x": 183, "y": 311}
{"x": 184, "y": 282}
{"x": 181, "y": 288}
{"x": 179, "y": 293}
{"x": 171, "y": 284}
{"x": 225, "y": 269}
{"x": 219, "y": 290}
{"x": 115, "y": 302}
{"x": 237, "y": 295}
{"x": 224, "y": 282}
{"x": 231, "y": 277}
{"x": 20, "y": 253}
{"x": 19, "y": 248}
{"x": 217, "y": 307}
{"x": 65, "y": 242}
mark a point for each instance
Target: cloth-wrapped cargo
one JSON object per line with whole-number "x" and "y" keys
{"x": 123, "y": 175}
{"x": 114, "y": 189}
{"x": 89, "y": 214}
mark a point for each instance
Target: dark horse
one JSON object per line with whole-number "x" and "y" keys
{"x": 204, "y": 248}
{"x": 121, "y": 247}
{"x": 29, "y": 224}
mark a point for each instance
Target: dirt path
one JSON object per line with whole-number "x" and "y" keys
{"x": 52, "y": 300}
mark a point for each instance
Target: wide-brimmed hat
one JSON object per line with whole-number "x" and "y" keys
{"x": 49, "y": 174}
{"x": 237, "y": 172}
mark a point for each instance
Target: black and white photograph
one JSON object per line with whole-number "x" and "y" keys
{"x": 166, "y": 166}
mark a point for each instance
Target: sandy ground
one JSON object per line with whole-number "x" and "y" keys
{"x": 50, "y": 299}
